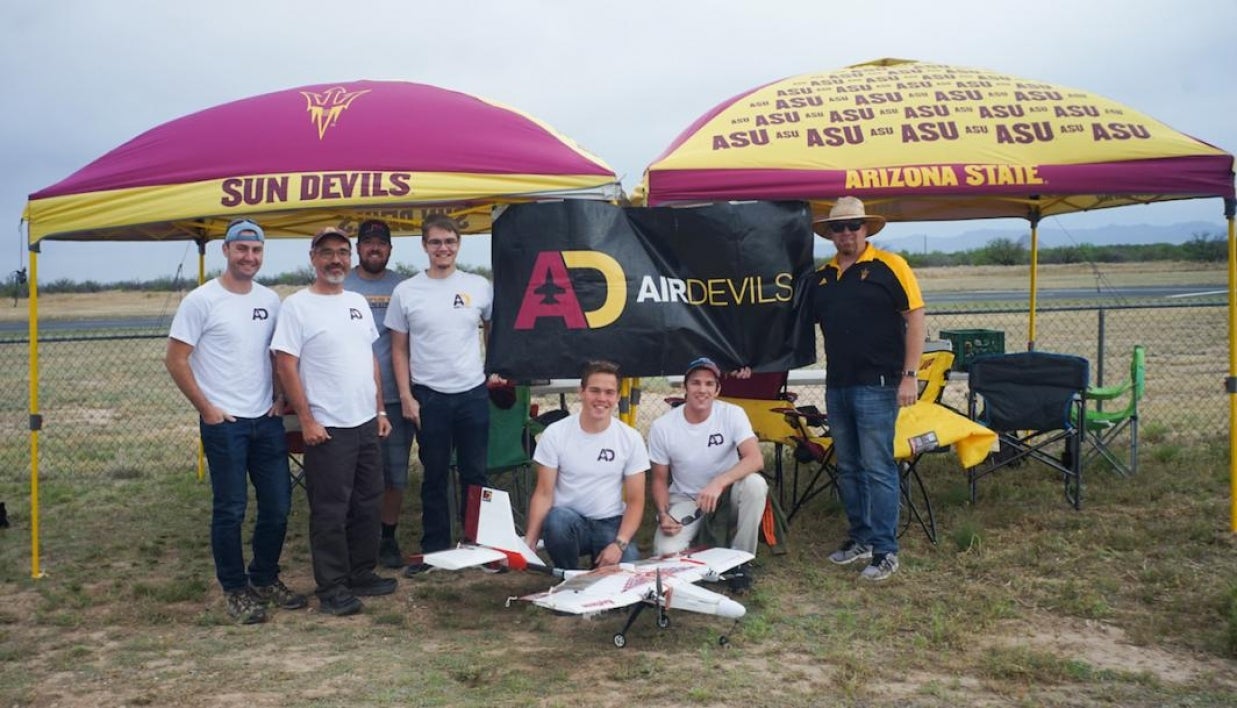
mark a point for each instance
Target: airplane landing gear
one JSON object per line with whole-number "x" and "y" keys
{"x": 620, "y": 640}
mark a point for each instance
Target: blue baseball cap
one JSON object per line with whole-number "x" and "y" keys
{"x": 244, "y": 230}
{"x": 704, "y": 362}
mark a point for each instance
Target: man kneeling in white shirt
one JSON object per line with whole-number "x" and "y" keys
{"x": 699, "y": 450}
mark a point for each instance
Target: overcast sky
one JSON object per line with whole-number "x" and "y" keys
{"x": 623, "y": 79}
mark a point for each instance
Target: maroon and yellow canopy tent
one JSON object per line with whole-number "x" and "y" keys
{"x": 926, "y": 142}
{"x": 299, "y": 159}
{"x": 302, "y": 158}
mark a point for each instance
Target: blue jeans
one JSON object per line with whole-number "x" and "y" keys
{"x": 861, "y": 422}
{"x": 449, "y": 421}
{"x": 253, "y": 448}
{"x": 568, "y": 534}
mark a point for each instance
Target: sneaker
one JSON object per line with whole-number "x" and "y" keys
{"x": 389, "y": 554}
{"x": 372, "y": 585}
{"x": 279, "y": 595}
{"x": 340, "y": 605}
{"x": 850, "y": 552}
{"x": 244, "y": 606}
{"x": 741, "y": 579}
{"x": 882, "y": 566}
{"x": 417, "y": 568}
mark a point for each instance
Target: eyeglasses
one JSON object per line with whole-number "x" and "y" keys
{"x": 838, "y": 227}
{"x": 440, "y": 242}
{"x": 345, "y": 253}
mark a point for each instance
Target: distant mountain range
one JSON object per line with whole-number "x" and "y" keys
{"x": 1050, "y": 236}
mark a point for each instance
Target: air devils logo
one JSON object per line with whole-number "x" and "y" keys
{"x": 461, "y": 300}
{"x": 260, "y": 313}
{"x": 325, "y": 108}
{"x": 715, "y": 439}
{"x": 355, "y": 314}
{"x": 551, "y": 294}
{"x": 606, "y": 455}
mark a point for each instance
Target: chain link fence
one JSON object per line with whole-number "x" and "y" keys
{"x": 109, "y": 407}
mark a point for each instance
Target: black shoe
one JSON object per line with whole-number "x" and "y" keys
{"x": 741, "y": 579}
{"x": 414, "y": 569}
{"x": 371, "y": 585}
{"x": 340, "y": 605}
{"x": 389, "y": 555}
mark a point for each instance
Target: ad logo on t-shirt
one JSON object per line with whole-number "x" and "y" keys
{"x": 461, "y": 300}
{"x": 606, "y": 455}
{"x": 715, "y": 439}
{"x": 355, "y": 314}
{"x": 260, "y": 313}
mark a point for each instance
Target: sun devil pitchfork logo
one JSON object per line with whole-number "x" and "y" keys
{"x": 325, "y": 108}
{"x": 551, "y": 294}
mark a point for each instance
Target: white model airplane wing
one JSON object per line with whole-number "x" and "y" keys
{"x": 592, "y": 592}
{"x": 463, "y": 557}
{"x": 490, "y": 536}
{"x": 629, "y": 583}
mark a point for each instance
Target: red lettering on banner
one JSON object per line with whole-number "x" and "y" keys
{"x": 1076, "y": 111}
{"x": 1037, "y": 96}
{"x": 1023, "y": 133}
{"x": 834, "y": 136}
{"x": 940, "y": 130}
{"x": 550, "y": 294}
{"x": 850, "y": 115}
{"x": 1012, "y": 111}
{"x": 925, "y": 111}
{"x": 741, "y": 139}
{"x": 254, "y": 190}
{"x": 1119, "y": 131}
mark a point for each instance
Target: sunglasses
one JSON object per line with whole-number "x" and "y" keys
{"x": 690, "y": 517}
{"x": 838, "y": 227}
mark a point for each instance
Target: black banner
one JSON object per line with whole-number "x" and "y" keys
{"x": 650, "y": 289}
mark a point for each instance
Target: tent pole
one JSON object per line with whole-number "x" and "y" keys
{"x": 36, "y": 420}
{"x": 1034, "y": 217}
{"x": 201, "y": 279}
{"x": 1230, "y": 384}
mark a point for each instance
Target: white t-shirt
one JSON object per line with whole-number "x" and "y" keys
{"x": 333, "y": 336}
{"x": 230, "y": 334}
{"x": 591, "y": 466}
{"x": 442, "y": 317}
{"x": 698, "y": 453}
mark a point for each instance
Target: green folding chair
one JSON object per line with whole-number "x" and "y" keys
{"x": 1104, "y": 426}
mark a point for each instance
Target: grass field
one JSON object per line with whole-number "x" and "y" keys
{"x": 1132, "y": 601}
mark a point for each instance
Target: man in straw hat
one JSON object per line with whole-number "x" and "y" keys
{"x": 871, "y": 315}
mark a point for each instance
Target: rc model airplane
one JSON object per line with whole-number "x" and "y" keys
{"x": 662, "y": 582}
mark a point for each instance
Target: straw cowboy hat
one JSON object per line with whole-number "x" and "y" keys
{"x": 848, "y": 209}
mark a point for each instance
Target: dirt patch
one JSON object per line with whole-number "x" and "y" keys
{"x": 1104, "y": 646}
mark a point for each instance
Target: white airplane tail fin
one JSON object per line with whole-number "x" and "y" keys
{"x": 489, "y": 521}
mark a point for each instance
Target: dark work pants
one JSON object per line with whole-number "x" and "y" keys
{"x": 344, "y": 479}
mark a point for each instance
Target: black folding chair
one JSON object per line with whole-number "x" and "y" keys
{"x": 1033, "y": 401}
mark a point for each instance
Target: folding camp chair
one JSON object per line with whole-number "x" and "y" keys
{"x": 1103, "y": 426}
{"x": 296, "y": 447}
{"x": 1034, "y": 401}
{"x": 513, "y": 432}
{"x": 763, "y": 396}
{"x": 921, "y": 429}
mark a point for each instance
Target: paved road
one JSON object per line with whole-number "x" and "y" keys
{"x": 1181, "y": 294}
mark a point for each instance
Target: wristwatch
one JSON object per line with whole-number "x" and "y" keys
{"x": 621, "y": 544}
{"x": 910, "y": 373}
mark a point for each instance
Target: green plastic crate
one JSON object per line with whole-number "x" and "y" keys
{"x": 970, "y": 343}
